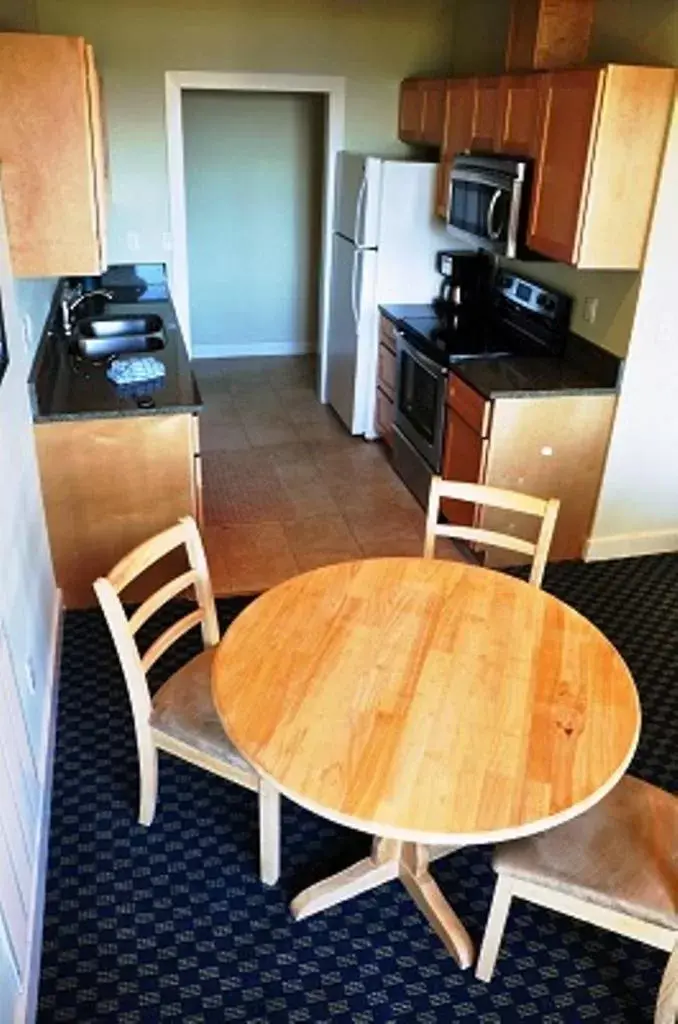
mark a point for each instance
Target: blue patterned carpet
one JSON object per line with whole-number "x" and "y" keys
{"x": 172, "y": 923}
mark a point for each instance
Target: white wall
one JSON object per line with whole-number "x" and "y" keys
{"x": 638, "y": 505}
{"x": 28, "y": 632}
{"x": 253, "y": 171}
{"x": 372, "y": 43}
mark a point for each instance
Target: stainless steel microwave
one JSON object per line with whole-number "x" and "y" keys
{"x": 488, "y": 202}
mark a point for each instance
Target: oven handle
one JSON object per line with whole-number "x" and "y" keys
{"x": 427, "y": 364}
{"x": 493, "y": 232}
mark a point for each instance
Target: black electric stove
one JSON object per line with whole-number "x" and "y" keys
{"x": 516, "y": 318}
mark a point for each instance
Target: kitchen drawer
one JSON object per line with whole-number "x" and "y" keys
{"x": 388, "y": 332}
{"x": 469, "y": 404}
{"x": 385, "y": 417}
{"x": 387, "y": 370}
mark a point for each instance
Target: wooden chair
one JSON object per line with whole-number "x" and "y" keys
{"x": 615, "y": 866}
{"x": 494, "y": 497}
{"x": 181, "y": 719}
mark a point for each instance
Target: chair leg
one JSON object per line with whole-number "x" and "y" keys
{"x": 667, "y": 1002}
{"x": 148, "y": 783}
{"x": 269, "y": 833}
{"x": 494, "y": 929}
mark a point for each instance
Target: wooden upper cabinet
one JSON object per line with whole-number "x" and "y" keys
{"x": 411, "y": 115}
{"x": 51, "y": 152}
{"x": 459, "y": 111}
{"x": 486, "y": 113}
{"x": 518, "y": 115}
{"x": 546, "y": 34}
{"x": 601, "y": 135}
{"x": 433, "y": 121}
{"x": 422, "y": 111}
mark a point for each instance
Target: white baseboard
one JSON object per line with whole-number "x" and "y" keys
{"x": 631, "y": 545}
{"x": 27, "y": 1002}
{"x": 247, "y": 348}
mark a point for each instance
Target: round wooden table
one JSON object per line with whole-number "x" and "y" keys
{"x": 430, "y": 704}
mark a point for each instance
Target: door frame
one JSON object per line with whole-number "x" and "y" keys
{"x": 333, "y": 88}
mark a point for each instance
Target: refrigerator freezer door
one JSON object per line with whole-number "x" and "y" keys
{"x": 410, "y": 235}
{"x": 351, "y": 363}
{"x": 358, "y": 199}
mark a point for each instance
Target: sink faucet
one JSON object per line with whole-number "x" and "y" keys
{"x": 71, "y": 299}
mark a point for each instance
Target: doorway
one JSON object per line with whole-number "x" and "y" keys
{"x": 253, "y": 166}
{"x": 332, "y": 91}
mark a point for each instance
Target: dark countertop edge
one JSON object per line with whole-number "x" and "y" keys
{"x": 47, "y": 337}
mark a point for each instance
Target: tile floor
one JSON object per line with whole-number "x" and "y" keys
{"x": 286, "y": 488}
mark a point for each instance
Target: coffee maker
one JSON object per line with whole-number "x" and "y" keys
{"x": 466, "y": 276}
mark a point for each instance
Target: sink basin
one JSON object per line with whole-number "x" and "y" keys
{"x": 115, "y": 326}
{"x": 118, "y": 344}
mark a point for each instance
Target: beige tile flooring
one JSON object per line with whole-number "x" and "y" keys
{"x": 286, "y": 488}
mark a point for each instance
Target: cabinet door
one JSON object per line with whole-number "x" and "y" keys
{"x": 486, "y": 114}
{"x": 385, "y": 417}
{"x": 464, "y": 455}
{"x": 47, "y": 155}
{"x": 434, "y": 112}
{"x": 568, "y": 115}
{"x": 99, "y": 153}
{"x": 518, "y": 118}
{"x": 459, "y": 105}
{"x": 411, "y": 116}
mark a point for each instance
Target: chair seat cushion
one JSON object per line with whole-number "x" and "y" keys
{"x": 183, "y": 709}
{"x": 622, "y": 854}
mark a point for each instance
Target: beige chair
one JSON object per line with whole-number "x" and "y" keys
{"x": 181, "y": 719}
{"x": 493, "y": 497}
{"x": 615, "y": 866}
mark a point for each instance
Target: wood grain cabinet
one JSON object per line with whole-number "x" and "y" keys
{"x": 600, "y": 143}
{"x": 548, "y": 33}
{"x": 518, "y": 117}
{"x": 486, "y": 114}
{"x": 52, "y": 153}
{"x": 551, "y": 447}
{"x": 109, "y": 484}
{"x": 422, "y": 111}
{"x": 386, "y": 381}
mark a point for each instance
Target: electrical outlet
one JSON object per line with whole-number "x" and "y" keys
{"x": 27, "y": 332}
{"x": 590, "y": 310}
{"x": 133, "y": 241}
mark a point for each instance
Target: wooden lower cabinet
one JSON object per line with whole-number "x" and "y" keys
{"x": 552, "y": 447}
{"x": 385, "y": 417}
{"x": 109, "y": 484}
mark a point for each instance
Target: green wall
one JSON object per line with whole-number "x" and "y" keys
{"x": 254, "y": 171}
{"x": 634, "y": 31}
{"x": 372, "y": 43}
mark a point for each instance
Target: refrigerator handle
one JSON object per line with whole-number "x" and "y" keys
{"x": 354, "y": 280}
{"x": 359, "y": 209}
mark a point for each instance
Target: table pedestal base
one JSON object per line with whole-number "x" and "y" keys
{"x": 391, "y": 859}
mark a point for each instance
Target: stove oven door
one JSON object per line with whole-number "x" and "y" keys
{"x": 420, "y": 402}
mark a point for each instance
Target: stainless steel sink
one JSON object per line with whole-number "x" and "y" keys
{"x": 103, "y": 336}
{"x": 118, "y": 344}
{"x": 110, "y": 326}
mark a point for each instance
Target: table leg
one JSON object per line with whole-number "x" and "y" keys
{"x": 381, "y": 866}
{"x": 415, "y": 876}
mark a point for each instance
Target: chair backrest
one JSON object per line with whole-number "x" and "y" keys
{"x": 494, "y": 497}
{"x": 123, "y": 629}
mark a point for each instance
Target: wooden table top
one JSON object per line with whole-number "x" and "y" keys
{"x": 426, "y": 700}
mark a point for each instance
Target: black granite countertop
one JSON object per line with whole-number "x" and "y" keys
{"x": 64, "y": 386}
{"x": 584, "y": 368}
